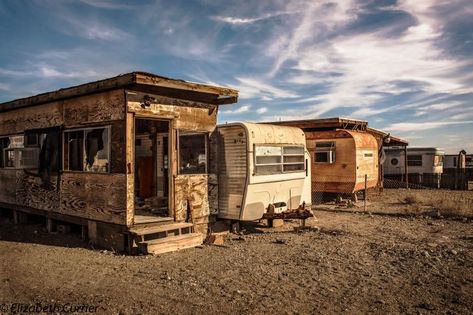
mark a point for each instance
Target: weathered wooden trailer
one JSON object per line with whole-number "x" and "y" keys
{"x": 127, "y": 158}
{"x": 264, "y": 172}
{"x": 342, "y": 153}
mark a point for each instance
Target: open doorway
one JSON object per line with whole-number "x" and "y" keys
{"x": 151, "y": 169}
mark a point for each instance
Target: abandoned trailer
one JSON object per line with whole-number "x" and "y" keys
{"x": 261, "y": 165}
{"x": 127, "y": 158}
{"x": 344, "y": 152}
{"x": 423, "y": 166}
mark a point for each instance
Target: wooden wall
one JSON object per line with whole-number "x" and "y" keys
{"x": 96, "y": 196}
{"x": 199, "y": 190}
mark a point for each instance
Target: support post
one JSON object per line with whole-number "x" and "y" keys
{"x": 365, "y": 193}
{"x": 49, "y": 225}
{"x": 406, "y": 169}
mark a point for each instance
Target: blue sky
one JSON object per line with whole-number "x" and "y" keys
{"x": 405, "y": 66}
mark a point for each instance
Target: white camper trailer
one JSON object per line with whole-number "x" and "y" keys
{"x": 425, "y": 165}
{"x": 263, "y": 169}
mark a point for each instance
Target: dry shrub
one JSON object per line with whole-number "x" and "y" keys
{"x": 455, "y": 207}
{"x": 411, "y": 199}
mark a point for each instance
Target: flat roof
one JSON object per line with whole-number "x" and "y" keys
{"x": 325, "y": 124}
{"x": 138, "y": 80}
{"x": 394, "y": 141}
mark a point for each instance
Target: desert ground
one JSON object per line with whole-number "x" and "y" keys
{"x": 348, "y": 262}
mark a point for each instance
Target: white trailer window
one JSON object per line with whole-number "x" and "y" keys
{"x": 293, "y": 159}
{"x": 278, "y": 159}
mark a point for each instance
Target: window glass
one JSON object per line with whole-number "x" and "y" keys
{"x": 193, "y": 153}
{"x": 87, "y": 150}
{"x": 414, "y": 160}
{"x": 325, "y": 152}
{"x": 278, "y": 159}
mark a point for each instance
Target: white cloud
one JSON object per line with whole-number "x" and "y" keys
{"x": 4, "y": 87}
{"x": 239, "y": 110}
{"x": 255, "y": 88}
{"x": 110, "y": 5}
{"x": 418, "y": 126}
{"x": 262, "y": 110}
{"x": 233, "y": 20}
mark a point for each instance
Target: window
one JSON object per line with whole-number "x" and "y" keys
{"x": 278, "y": 159}
{"x": 15, "y": 155}
{"x": 414, "y": 160}
{"x": 193, "y": 153}
{"x": 4, "y": 143}
{"x": 87, "y": 150}
{"x": 324, "y": 152}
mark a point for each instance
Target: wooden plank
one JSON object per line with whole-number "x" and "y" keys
{"x": 44, "y": 116}
{"x": 192, "y": 191}
{"x": 160, "y": 228}
{"x": 118, "y": 147}
{"x": 8, "y": 185}
{"x": 94, "y": 108}
{"x": 171, "y": 243}
{"x": 94, "y": 196}
{"x": 130, "y": 167}
{"x": 31, "y": 192}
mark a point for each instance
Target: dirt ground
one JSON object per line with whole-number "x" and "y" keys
{"x": 351, "y": 263}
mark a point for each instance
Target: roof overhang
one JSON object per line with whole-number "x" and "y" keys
{"x": 325, "y": 124}
{"x": 393, "y": 141}
{"x": 141, "y": 81}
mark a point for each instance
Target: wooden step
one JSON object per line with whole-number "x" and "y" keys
{"x": 170, "y": 243}
{"x": 161, "y": 228}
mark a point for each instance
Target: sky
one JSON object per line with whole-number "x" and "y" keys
{"x": 404, "y": 66}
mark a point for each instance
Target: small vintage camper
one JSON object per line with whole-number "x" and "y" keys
{"x": 424, "y": 165}
{"x": 342, "y": 154}
{"x": 127, "y": 158}
{"x": 263, "y": 170}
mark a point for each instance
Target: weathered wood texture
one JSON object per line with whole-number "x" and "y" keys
{"x": 90, "y": 109}
{"x": 191, "y": 197}
{"x": 22, "y": 189}
{"x": 130, "y": 167}
{"x": 118, "y": 147}
{"x": 94, "y": 196}
{"x": 32, "y": 193}
{"x": 189, "y": 115}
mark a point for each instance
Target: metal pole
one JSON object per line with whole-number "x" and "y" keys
{"x": 406, "y": 170}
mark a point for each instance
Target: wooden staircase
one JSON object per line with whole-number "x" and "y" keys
{"x": 165, "y": 237}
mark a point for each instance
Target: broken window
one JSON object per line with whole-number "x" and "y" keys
{"x": 87, "y": 150}
{"x": 4, "y": 143}
{"x": 414, "y": 160}
{"x": 193, "y": 153}
{"x": 324, "y": 152}
{"x": 278, "y": 159}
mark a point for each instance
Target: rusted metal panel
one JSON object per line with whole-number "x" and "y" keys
{"x": 191, "y": 197}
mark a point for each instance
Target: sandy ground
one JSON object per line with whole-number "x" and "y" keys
{"x": 353, "y": 263}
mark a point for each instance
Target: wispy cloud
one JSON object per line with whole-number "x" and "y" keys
{"x": 418, "y": 126}
{"x": 109, "y": 5}
{"x": 256, "y": 88}
{"x": 233, "y": 20}
{"x": 239, "y": 110}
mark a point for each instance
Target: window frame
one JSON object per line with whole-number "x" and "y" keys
{"x": 184, "y": 132}
{"x": 282, "y": 162}
{"x": 329, "y": 151}
{"x": 108, "y": 147}
{"x": 16, "y": 150}
{"x": 415, "y": 162}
